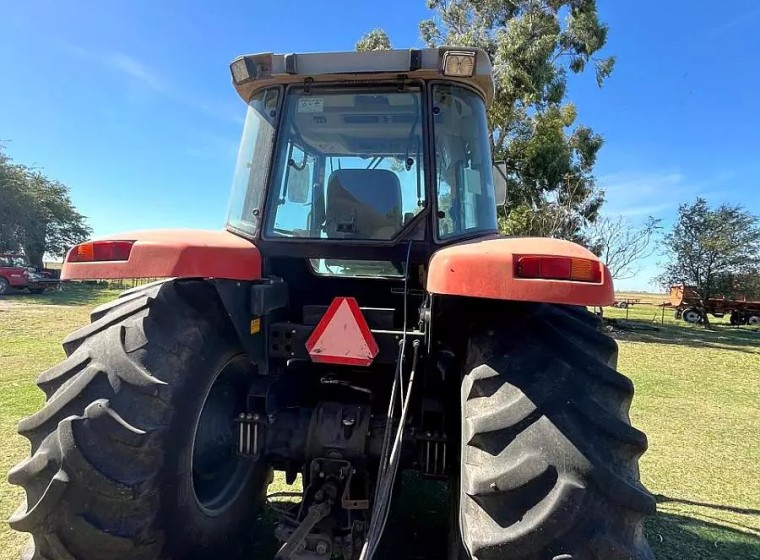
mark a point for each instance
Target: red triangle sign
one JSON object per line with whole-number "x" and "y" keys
{"x": 342, "y": 336}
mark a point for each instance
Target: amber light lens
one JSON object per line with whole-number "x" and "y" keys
{"x": 97, "y": 251}
{"x": 584, "y": 270}
{"x": 559, "y": 268}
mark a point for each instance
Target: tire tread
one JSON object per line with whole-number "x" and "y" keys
{"x": 101, "y": 440}
{"x": 549, "y": 454}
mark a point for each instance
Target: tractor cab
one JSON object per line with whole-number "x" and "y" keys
{"x": 353, "y": 160}
{"x": 353, "y": 169}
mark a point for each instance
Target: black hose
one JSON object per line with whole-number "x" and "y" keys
{"x": 381, "y": 507}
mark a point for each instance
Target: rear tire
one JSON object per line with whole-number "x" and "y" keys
{"x": 113, "y": 474}
{"x": 753, "y": 320}
{"x": 549, "y": 465}
{"x": 4, "y": 286}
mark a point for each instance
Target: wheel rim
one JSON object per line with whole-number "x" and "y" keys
{"x": 754, "y": 320}
{"x": 218, "y": 473}
{"x": 691, "y": 317}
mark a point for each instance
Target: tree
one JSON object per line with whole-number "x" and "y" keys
{"x": 708, "y": 248}
{"x": 12, "y": 189}
{"x": 738, "y": 286}
{"x": 623, "y": 245}
{"x": 375, "y": 40}
{"x": 533, "y": 46}
{"x": 36, "y": 213}
{"x": 561, "y": 214}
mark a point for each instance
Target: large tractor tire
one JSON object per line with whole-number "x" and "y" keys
{"x": 549, "y": 460}
{"x": 132, "y": 455}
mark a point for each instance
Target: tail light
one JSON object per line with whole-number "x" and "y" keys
{"x": 96, "y": 251}
{"x": 559, "y": 268}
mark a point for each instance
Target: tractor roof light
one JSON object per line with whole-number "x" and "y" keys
{"x": 459, "y": 64}
{"x": 247, "y": 68}
{"x": 98, "y": 251}
{"x": 466, "y": 64}
{"x": 558, "y": 268}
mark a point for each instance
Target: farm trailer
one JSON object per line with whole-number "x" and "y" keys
{"x": 688, "y": 307}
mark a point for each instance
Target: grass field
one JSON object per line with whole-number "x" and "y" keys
{"x": 697, "y": 397}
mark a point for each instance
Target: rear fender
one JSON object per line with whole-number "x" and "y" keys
{"x": 174, "y": 254}
{"x": 486, "y": 269}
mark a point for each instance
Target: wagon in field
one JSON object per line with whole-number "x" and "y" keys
{"x": 687, "y": 304}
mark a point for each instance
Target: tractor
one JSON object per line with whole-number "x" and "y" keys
{"x": 360, "y": 316}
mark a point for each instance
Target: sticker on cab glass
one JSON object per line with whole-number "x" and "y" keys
{"x": 311, "y": 105}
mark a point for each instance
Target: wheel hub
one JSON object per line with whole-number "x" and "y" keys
{"x": 218, "y": 472}
{"x": 691, "y": 317}
{"x": 214, "y": 439}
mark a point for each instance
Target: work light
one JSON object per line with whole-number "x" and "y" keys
{"x": 458, "y": 64}
{"x": 247, "y": 68}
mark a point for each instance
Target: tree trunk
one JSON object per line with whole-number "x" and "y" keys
{"x": 34, "y": 257}
{"x": 703, "y": 312}
{"x": 34, "y": 244}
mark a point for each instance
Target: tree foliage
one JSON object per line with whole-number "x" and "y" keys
{"x": 622, "y": 245}
{"x": 712, "y": 250}
{"x": 534, "y": 45}
{"x": 37, "y": 216}
{"x": 739, "y": 285}
{"x": 375, "y": 40}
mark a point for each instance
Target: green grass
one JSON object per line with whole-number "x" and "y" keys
{"x": 697, "y": 398}
{"x": 31, "y": 330}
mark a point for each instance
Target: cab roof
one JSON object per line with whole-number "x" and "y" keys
{"x": 252, "y": 72}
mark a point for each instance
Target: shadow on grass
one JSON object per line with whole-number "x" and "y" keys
{"x": 418, "y": 528}
{"x": 662, "y": 499}
{"x": 677, "y": 537}
{"x": 740, "y": 339}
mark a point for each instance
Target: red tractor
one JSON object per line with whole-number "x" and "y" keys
{"x": 360, "y": 315}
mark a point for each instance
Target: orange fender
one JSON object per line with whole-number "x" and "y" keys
{"x": 173, "y": 254}
{"x": 486, "y": 269}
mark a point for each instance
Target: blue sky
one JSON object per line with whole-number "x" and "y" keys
{"x": 130, "y": 104}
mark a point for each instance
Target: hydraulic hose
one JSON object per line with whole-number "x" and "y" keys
{"x": 388, "y": 471}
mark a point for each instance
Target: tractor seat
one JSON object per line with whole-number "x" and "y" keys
{"x": 363, "y": 204}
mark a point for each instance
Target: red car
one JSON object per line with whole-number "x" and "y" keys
{"x": 15, "y": 272}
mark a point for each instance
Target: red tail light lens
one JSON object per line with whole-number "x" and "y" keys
{"x": 96, "y": 251}
{"x": 559, "y": 268}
